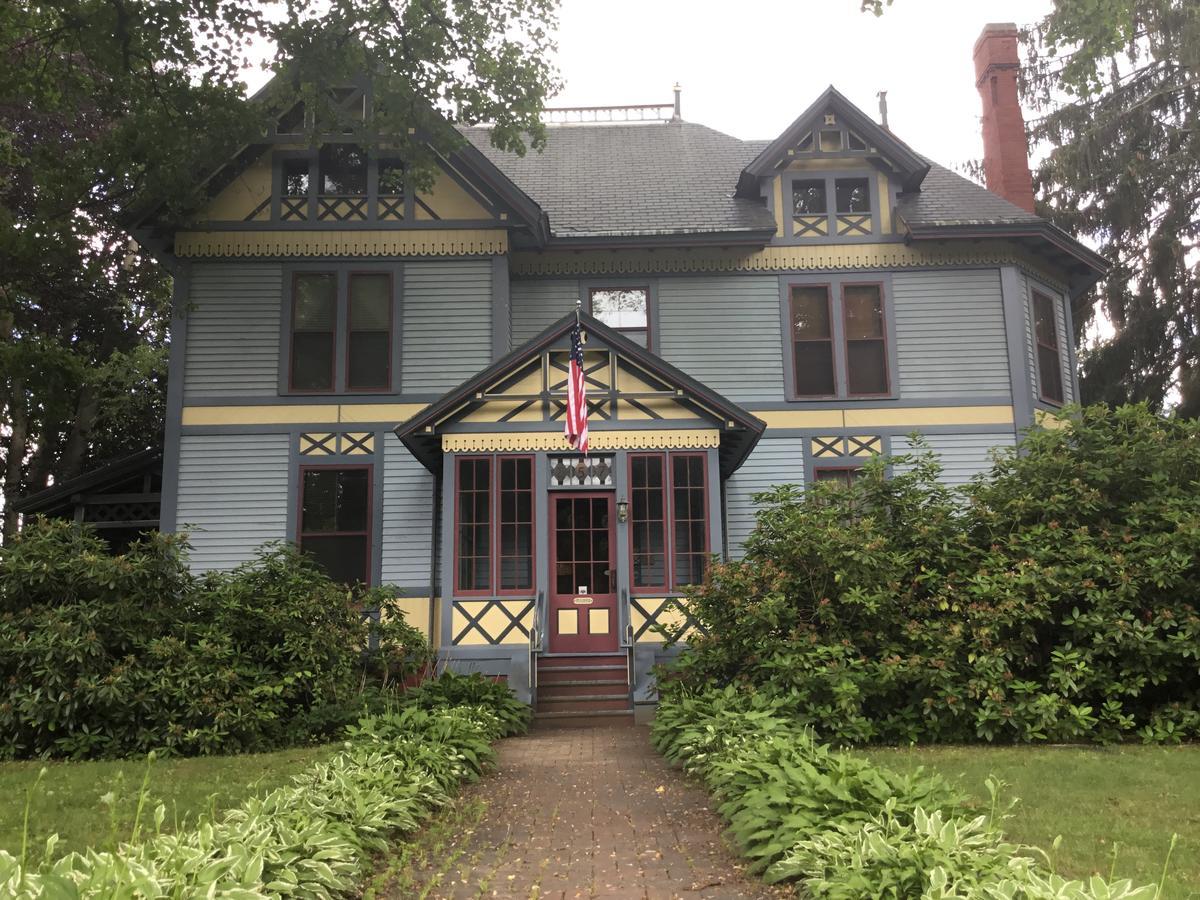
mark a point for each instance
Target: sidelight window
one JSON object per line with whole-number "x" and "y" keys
{"x": 494, "y": 531}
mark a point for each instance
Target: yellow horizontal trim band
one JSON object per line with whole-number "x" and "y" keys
{"x": 302, "y": 414}
{"x": 395, "y": 242}
{"x": 890, "y": 417}
{"x": 598, "y": 440}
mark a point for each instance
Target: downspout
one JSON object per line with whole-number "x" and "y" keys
{"x": 435, "y": 547}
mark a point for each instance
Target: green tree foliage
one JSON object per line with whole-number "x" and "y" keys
{"x": 1054, "y": 600}
{"x": 111, "y": 656}
{"x": 1116, "y": 85}
{"x": 113, "y": 108}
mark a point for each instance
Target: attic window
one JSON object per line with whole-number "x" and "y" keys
{"x": 295, "y": 177}
{"x": 831, "y": 141}
{"x": 343, "y": 169}
{"x": 806, "y": 143}
{"x": 854, "y": 142}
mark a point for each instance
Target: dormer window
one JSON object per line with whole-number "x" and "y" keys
{"x": 340, "y": 183}
{"x": 853, "y": 212}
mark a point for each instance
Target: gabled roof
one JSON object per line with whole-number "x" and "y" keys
{"x": 911, "y": 165}
{"x": 740, "y": 430}
{"x": 638, "y": 180}
{"x": 90, "y": 482}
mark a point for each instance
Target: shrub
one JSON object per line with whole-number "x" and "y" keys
{"x": 110, "y": 656}
{"x": 839, "y": 825}
{"x": 474, "y": 690}
{"x": 1053, "y": 599}
{"x": 310, "y": 840}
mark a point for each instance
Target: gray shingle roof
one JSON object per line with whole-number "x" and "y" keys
{"x": 636, "y": 179}
{"x": 679, "y": 178}
{"x": 946, "y": 198}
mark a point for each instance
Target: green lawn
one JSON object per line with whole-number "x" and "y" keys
{"x": 1133, "y": 797}
{"x": 70, "y": 799}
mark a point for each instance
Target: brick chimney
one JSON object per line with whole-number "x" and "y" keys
{"x": 1005, "y": 150}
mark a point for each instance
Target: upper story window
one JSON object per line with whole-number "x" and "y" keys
{"x": 838, "y": 341}
{"x": 851, "y": 215}
{"x": 343, "y": 170}
{"x": 1049, "y": 359}
{"x": 625, "y": 309}
{"x": 341, "y": 332}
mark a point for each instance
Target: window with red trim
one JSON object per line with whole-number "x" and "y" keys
{"x": 515, "y": 550}
{"x": 473, "y": 541}
{"x": 812, "y": 340}
{"x": 866, "y": 344}
{"x": 369, "y": 322}
{"x": 314, "y": 326}
{"x": 648, "y": 521}
{"x": 494, "y": 490}
{"x": 689, "y": 519}
{"x": 1050, "y": 379}
{"x": 335, "y": 521}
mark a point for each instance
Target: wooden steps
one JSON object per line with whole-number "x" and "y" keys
{"x": 583, "y": 690}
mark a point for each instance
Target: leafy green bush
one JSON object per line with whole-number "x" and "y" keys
{"x": 111, "y": 656}
{"x": 310, "y": 840}
{"x": 1053, "y": 600}
{"x": 453, "y": 689}
{"x": 842, "y": 827}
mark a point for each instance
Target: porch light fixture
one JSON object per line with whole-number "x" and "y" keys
{"x": 622, "y": 510}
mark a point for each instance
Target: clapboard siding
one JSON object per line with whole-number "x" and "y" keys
{"x": 447, "y": 315}
{"x": 233, "y": 329}
{"x": 233, "y": 495}
{"x": 962, "y": 455}
{"x": 724, "y": 332}
{"x": 407, "y": 518}
{"x": 778, "y": 460}
{"x": 538, "y": 304}
{"x": 950, "y": 338}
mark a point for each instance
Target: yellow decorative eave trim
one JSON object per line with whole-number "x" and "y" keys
{"x": 415, "y": 242}
{"x": 501, "y": 442}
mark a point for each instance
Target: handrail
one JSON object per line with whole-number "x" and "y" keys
{"x": 535, "y": 646}
{"x": 629, "y": 656}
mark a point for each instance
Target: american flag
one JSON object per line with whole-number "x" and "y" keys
{"x": 576, "y": 427}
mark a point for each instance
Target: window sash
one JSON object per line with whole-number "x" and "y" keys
{"x": 644, "y": 523}
{"x": 695, "y": 493}
{"x": 628, "y": 330}
{"x": 485, "y": 574}
{"x": 865, "y": 341}
{"x": 1049, "y": 356}
{"x": 385, "y": 383}
{"x": 798, "y": 343}
{"x": 844, "y": 475}
{"x": 335, "y": 536}
{"x": 520, "y": 524}
{"x": 297, "y": 351}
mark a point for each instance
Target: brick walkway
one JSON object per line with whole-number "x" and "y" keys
{"x": 590, "y": 813}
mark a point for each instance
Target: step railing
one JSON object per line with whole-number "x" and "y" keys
{"x": 535, "y": 646}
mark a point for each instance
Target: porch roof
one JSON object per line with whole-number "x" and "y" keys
{"x": 738, "y": 429}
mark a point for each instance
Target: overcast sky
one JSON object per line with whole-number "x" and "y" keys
{"x": 750, "y": 67}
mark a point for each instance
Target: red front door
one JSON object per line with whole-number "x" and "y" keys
{"x": 583, "y": 569}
